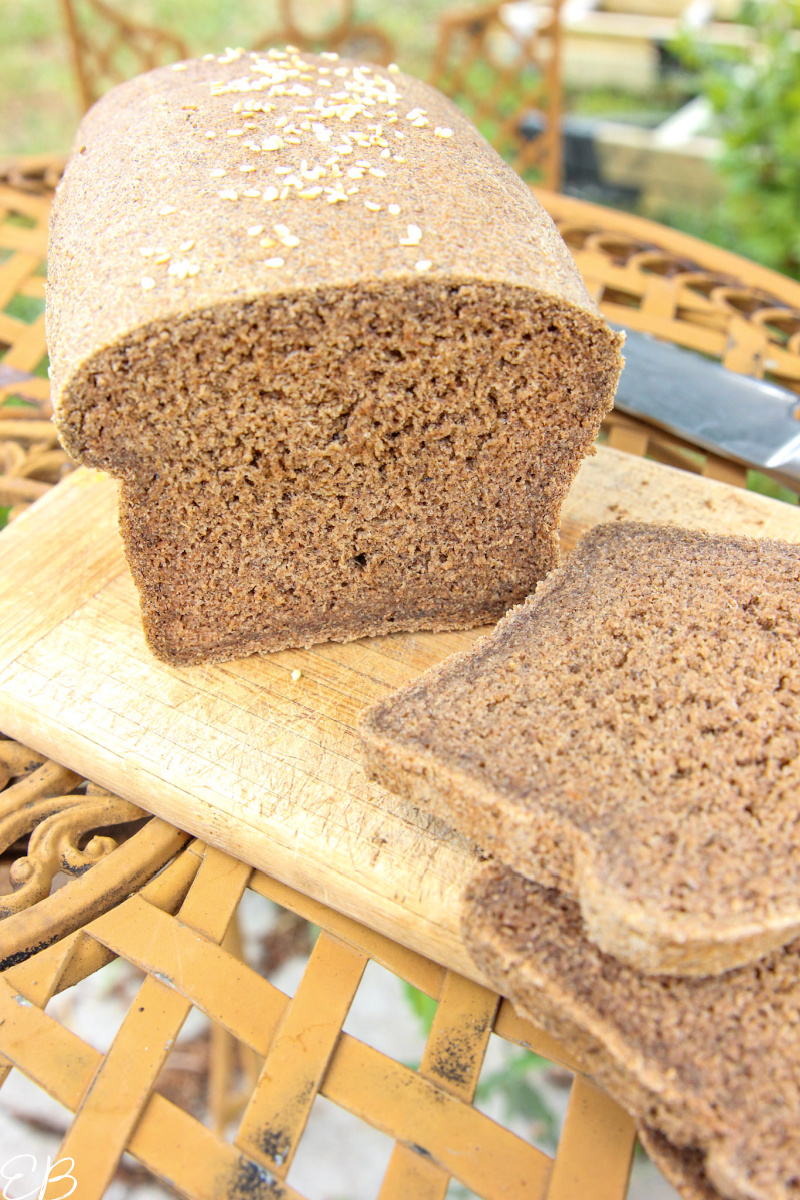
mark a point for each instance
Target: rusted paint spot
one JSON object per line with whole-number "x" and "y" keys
{"x": 454, "y": 1061}
{"x": 21, "y": 956}
{"x": 276, "y": 1144}
{"x": 252, "y": 1182}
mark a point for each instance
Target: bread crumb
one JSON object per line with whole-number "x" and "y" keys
{"x": 296, "y": 674}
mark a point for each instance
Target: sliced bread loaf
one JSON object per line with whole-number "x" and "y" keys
{"x": 709, "y": 1067}
{"x": 683, "y": 1167}
{"x": 337, "y": 354}
{"x": 630, "y": 735}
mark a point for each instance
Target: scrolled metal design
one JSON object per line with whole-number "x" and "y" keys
{"x": 345, "y": 35}
{"x": 97, "y": 52}
{"x": 33, "y": 174}
{"x": 506, "y": 73}
{"x": 40, "y": 801}
{"x": 57, "y": 824}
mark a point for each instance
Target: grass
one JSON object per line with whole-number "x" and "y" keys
{"x": 38, "y": 96}
{"x": 756, "y": 482}
{"x": 615, "y": 104}
{"x": 25, "y": 308}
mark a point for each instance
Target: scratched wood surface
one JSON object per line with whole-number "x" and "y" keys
{"x": 242, "y": 755}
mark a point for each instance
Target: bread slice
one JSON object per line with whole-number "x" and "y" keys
{"x": 630, "y": 735}
{"x": 338, "y": 356}
{"x": 711, "y": 1067}
{"x": 684, "y": 1168}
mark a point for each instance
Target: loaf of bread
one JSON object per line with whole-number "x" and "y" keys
{"x": 631, "y": 736}
{"x": 336, "y": 353}
{"x": 709, "y": 1067}
{"x": 684, "y": 1167}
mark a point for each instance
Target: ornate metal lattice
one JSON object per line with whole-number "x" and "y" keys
{"x": 107, "y": 47}
{"x": 343, "y": 34}
{"x": 502, "y": 65}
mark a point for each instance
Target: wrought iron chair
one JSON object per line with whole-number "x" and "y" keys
{"x": 684, "y": 290}
{"x": 139, "y": 889}
{"x": 505, "y": 71}
{"x": 344, "y": 35}
{"x": 108, "y": 47}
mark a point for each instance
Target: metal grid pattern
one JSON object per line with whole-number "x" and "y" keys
{"x": 173, "y": 930}
{"x": 685, "y": 291}
{"x": 31, "y": 460}
{"x": 51, "y": 821}
{"x": 179, "y": 927}
{"x": 108, "y": 47}
{"x": 503, "y": 75}
{"x": 344, "y": 34}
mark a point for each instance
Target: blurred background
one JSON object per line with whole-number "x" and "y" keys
{"x": 687, "y": 111}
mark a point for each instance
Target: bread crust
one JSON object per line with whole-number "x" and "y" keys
{"x": 710, "y": 1068}
{"x": 631, "y": 736}
{"x": 337, "y": 354}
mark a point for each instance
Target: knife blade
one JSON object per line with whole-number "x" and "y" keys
{"x": 748, "y": 420}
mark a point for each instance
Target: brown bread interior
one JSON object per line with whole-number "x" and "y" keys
{"x": 341, "y": 462}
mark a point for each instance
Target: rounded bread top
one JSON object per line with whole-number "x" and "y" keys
{"x": 255, "y": 173}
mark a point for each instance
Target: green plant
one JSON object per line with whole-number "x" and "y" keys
{"x": 422, "y": 1005}
{"x": 755, "y": 94}
{"x": 756, "y": 482}
{"x": 514, "y": 1083}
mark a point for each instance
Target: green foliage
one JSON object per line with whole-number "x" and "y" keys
{"x": 422, "y": 1005}
{"x": 516, "y": 1085}
{"x": 619, "y": 104}
{"x": 755, "y": 94}
{"x": 20, "y": 219}
{"x": 19, "y": 402}
{"x": 4, "y": 511}
{"x": 38, "y": 95}
{"x": 24, "y": 308}
{"x": 756, "y": 482}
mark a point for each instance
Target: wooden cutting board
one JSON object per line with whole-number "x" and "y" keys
{"x": 242, "y": 755}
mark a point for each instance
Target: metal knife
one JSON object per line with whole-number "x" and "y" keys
{"x": 747, "y": 420}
